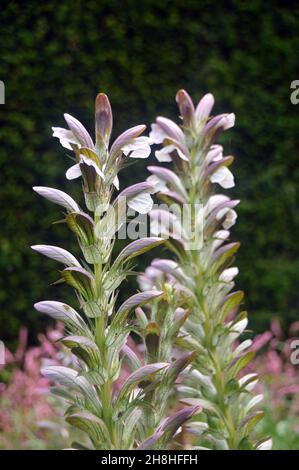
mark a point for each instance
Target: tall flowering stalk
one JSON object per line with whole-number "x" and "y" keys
{"x": 114, "y": 415}
{"x": 202, "y": 274}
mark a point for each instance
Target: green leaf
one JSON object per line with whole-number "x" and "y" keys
{"x": 232, "y": 302}
{"x": 144, "y": 373}
{"x": 239, "y": 362}
{"x": 91, "y": 424}
{"x": 79, "y": 279}
{"x": 251, "y": 420}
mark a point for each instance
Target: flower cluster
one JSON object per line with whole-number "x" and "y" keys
{"x": 201, "y": 277}
{"x": 113, "y": 417}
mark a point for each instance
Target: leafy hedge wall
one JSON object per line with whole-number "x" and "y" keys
{"x": 55, "y": 57}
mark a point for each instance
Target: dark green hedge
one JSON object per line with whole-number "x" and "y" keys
{"x": 55, "y": 57}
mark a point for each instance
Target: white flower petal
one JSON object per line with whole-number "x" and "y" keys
{"x": 215, "y": 153}
{"x": 240, "y": 326}
{"x": 214, "y": 201}
{"x": 229, "y": 274}
{"x": 224, "y": 177}
{"x": 73, "y": 172}
{"x": 116, "y": 182}
{"x": 138, "y": 148}
{"x": 163, "y": 155}
{"x": 230, "y": 219}
{"x": 141, "y": 203}
{"x": 266, "y": 445}
{"x": 66, "y": 137}
{"x": 228, "y": 121}
{"x": 157, "y": 183}
{"x": 157, "y": 135}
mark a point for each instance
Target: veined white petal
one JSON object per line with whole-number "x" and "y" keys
{"x": 73, "y": 172}
{"x": 228, "y": 121}
{"x": 163, "y": 155}
{"x": 66, "y": 137}
{"x": 157, "y": 183}
{"x": 240, "y": 326}
{"x": 230, "y": 219}
{"x": 266, "y": 445}
{"x": 218, "y": 238}
{"x": 141, "y": 203}
{"x": 228, "y": 274}
{"x": 164, "y": 223}
{"x": 214, "y": 201}
{"x": 157, "y": 135}
{"x": 138, "y": 148}
{"x": 90, "y": 162}
{"x": 221, "y": 234}
{"x": 215, "y": 153}
{"x": 224, "y": 177}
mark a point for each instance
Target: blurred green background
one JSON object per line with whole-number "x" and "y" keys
{"x": 56, "y": 56}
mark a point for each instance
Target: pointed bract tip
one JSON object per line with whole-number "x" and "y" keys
{"x": 102, "y": 101}
{"x": 186, "y": 106}
{"x": 103, "y": 117}
{"x": 181, "y": 92}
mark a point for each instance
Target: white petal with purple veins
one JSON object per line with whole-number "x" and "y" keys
{"x": 66, "y": 137}
{"x": 224, "y": 177}
{"x": 157, "y": 135}
{"x": 215, "y": 153}
{"x": 138, "y": 148}
{"x": 228, "y": 274}
{"x": 230, "y": 219}
{"x": 73, "y": 172}
{"x": 228, "y": 121}
{"x": 266, "y": 445}
{"x": 163, "y": 155}
{"x": 157, "y": 183}
{"x": 214, "y": 201}
{"x": 141, "y": 203}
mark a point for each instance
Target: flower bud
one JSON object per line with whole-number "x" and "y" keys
{"x": 186, "y": 106}
{"x": 103, "y": 118}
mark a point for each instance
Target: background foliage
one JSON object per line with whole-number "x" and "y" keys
{"x": 55, "y": 57}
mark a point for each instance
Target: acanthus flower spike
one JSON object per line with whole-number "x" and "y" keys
{"x": 112, "y": 411}
{"x": 201, "y": 278}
